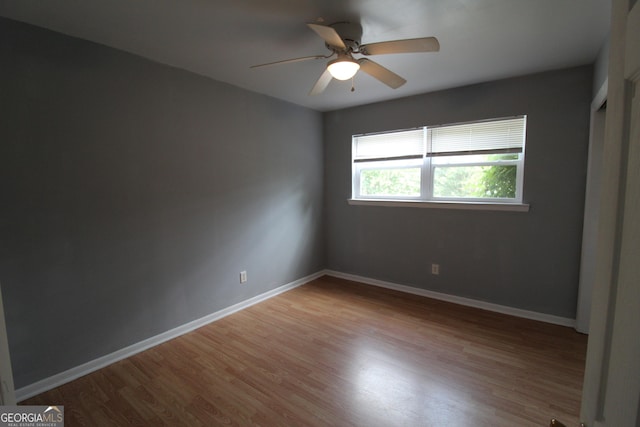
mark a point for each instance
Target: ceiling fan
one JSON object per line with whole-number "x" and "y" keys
{"x": 343, "y": 40}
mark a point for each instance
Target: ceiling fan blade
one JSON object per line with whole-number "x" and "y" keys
{"x": 379, "y": 72}
{"x": 289, "y": 61}
{"x": 425, "y": 44}
{"x": 322, "y": 83}
{"x": 329, "y": 35}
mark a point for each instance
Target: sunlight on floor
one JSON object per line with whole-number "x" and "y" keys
{"x": 394, "y": 392}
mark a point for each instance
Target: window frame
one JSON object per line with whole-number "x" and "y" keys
{"x": 428, "y": 169}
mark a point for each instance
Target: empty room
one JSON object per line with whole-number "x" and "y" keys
{"x": 320, "y": 213}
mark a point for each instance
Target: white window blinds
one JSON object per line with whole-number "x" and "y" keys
{"x": 391, "y": 145}
{"x": 499, "y": 136}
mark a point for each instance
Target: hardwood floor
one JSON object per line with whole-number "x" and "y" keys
{"x": 339, "y": 353}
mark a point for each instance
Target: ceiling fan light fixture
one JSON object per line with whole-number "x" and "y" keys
{"x": 343, "y": 68}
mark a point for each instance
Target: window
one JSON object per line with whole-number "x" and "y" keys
{"x": 467, "y": 162}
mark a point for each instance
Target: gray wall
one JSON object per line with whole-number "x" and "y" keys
{"x": 524, "y": 260}
{"x": 134, "y": 193}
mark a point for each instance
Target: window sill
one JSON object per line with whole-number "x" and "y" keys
{"x": 478, "y": 206}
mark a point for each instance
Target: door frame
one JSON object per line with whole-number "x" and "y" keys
{"x": 7, "y": 390}
{"x": 611, "y": 392}
{"x": 591, "y": 204}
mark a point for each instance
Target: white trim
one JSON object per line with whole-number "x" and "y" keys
{"x": 477, "y": 206}
{"x": 601, "y": 96}
{"x": 517, "y": 312}
{"x": 101, "y": 362}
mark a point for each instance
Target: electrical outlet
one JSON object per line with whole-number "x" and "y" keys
{"x": 243, "y": 277}
{"x": 435, "y": 269}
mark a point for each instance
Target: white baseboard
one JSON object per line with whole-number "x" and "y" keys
{"x": 101, "y": 362}
{"x": 86, "y": 368}
{"x": 548, "y": 318}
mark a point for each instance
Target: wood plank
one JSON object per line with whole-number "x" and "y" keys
{"x": 335, "y": 352}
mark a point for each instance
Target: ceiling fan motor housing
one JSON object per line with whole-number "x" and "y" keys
{"x": 350, "y": 33}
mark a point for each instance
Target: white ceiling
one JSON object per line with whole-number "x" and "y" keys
{"x": 481, "y": 40}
